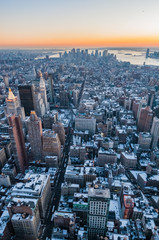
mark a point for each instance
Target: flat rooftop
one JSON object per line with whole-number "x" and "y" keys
{"x": 33, "y": 186}
{"x": 103, "y": 193}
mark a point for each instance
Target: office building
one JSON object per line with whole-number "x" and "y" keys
{"x": 42, "y": 89}
{"x": 49, "y": 119}
{"x": 34, "y": 186}
{"x": 13, "y": 105}
{"x": 18, "y": 143}
{"x": 59, "y": 129}
{"x": 51, "y": 90}
{"x": 26, "y": 93}
{"x": 51, "y": 144}
{"x": 35, "y": 135}
{"x": 145, "y": 119}
{"x": 155, "y": 132}
{"x": 145, "y": 140}
{"x": 64, "y": 98}
{"x": 5, "y": 79}
{"x": 98, "y": 206}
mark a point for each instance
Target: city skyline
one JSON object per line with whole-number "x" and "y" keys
{"x": 85, "y": 24}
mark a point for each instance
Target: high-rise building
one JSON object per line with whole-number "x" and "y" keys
{"x": 155, "y": 132}
{"x": 75, "y": 94}
{"x": 142, "y": 104}
{"x": 135, "y": 107}
{"x": 42, "y": 89}
{"x": 51, "y": 144}
{"x": 26, "y": 93}
{"x": 13, "y": 106}
{"x": 64, "y": 98}
{"x": 151, "y": 97}
{"x": 145, "y": 119}
{"x": 5, "y": 79}
{"x": 51, "y": 90}
{"x": 59, "y": 129}
{"x": 144, "y": 140}
{"x": 18, "y": 143}
{"x": 39, "y": 104}
{"x": 50, "y": 118}
{"x": 147, "y": 52}
{"x": 35, "y": 135}
{"x": 98, "y": 206}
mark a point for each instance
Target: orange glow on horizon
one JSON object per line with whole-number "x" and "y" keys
{"x": 152, "y": 41}
{"x": 146, "y": 41}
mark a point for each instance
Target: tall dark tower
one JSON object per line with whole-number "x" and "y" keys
{"x": 147, "y": 53}
{"x": 26, "y": 93}
{"x": 17, "y": 141}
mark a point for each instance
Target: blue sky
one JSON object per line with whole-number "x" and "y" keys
{"x": 60, "y": 22}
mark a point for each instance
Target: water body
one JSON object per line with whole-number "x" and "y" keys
{"x": 134, "y": 56}
{"x": 137, "y": 57}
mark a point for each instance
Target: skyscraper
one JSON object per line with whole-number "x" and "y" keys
{"x": 35, "y": 135}
{"x": 42, "y": 89}
{"x": 26, "y": 93}
{"x": 5, "y": 79}
{"x": 59, "y": 129}
{"x": 155, "y": 132}
{"x": 98, "y": 205}
{"x": 13, "y": 105}
{"x": 17, "y": 141}
{"x": 51, "y": 91}
{"x": 51, "y": 144}
{"x": 145, "y": 119}
{"x": 142, "y": 104}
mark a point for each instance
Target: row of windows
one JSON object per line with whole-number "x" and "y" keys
{"x": 97, "y": 222}
{"x": 98, "y": 208}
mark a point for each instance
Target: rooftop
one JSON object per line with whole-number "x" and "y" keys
{"x": 33, "y": 186}
{"x": 103, "y": 193}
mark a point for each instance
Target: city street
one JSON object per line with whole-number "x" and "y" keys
{"x": 56, "y": 193}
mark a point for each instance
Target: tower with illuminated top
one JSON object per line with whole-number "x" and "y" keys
{"x": 13, "y": 106}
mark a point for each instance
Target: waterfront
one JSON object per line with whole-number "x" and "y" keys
{"x": 137, "y": 56}
{"x": 134, "y": 56}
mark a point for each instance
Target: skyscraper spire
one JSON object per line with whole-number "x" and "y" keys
{"x": 13, "y": 105}
{"x": 11, "y": 96}
{"x": 43, "y": 91}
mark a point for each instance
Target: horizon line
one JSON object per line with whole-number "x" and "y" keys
{"x": 73, "y": 46}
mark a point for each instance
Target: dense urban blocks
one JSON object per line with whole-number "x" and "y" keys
{"x": 83, "y": 163}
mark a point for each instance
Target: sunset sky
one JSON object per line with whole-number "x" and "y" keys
{"x": 62, "y": 23}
